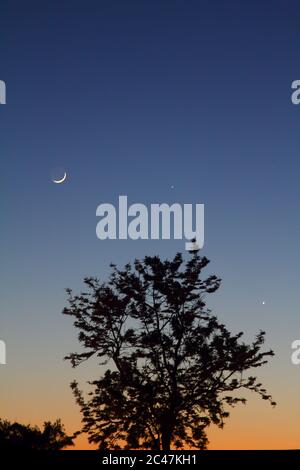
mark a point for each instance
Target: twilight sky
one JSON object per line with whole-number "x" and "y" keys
{"x": 133, "y": 97}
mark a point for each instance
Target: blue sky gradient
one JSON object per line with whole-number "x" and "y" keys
{"x": 132, "y": 98}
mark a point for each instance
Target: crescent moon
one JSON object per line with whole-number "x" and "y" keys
{"x": 61, "y": 180}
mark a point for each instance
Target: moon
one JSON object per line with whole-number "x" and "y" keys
{"x": 61, "y": 180}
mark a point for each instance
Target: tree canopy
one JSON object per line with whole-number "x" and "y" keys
{"x": 26, "y": 437}
{"x": 169, "y": 368}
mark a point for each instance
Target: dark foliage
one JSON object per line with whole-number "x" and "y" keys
{"x": 25, "y": 437}
{"x": 170, "y": 368}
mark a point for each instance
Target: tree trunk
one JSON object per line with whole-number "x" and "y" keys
{"x": 167, "y": 429}
{"x": 166, "y": 440}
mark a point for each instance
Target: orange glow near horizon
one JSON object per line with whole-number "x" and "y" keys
{"x": 47, "y": 396}
{"x": 255, "y": 427}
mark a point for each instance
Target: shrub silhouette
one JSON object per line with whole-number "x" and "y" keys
{"x": 25, "y": 437}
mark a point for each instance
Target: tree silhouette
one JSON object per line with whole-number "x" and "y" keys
{"x": 25, "y": 437}
{"x": 170, "y": 366}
